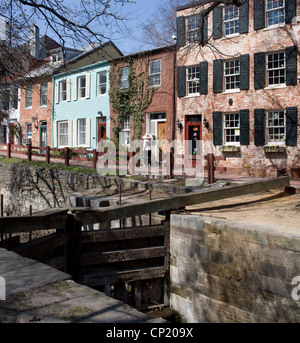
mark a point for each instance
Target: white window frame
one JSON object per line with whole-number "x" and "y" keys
{"x": 28, "y": 133}
{"x": 28, "y": 98}
{"x": 125, "y": 131}
{"x": 82, "y": 88}
{"x": 79, "y": 133}
{"x": 234, "y": 77}
{"x": 271, "y": 70}
{"x": 279, "y": 126}
{"x": 192, "y": 28}
{"x": 193, "y": 82}
{"x": 231, "y": 123}
{"x": 65, "y": 134}
{"x": 44, "y": 94}
{"x": 231, "y": 18}
{"x": 277, "y": 9}
{"x": 124, "y": 78}
{"x": 153, "y": 74}
{"x": 63, "y": 90}
{"x": 100, "y": 85}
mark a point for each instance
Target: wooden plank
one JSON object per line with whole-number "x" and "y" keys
{"x": 90, "y": 216}
{"x": 122, "y": 234}
{"x": 122, "y": 255}
{"x": 123, "y": 276}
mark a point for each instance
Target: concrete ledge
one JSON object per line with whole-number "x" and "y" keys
{"x": 36, "y": 292}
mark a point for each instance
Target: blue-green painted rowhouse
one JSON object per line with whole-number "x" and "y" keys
{"x": 81, "y": 111}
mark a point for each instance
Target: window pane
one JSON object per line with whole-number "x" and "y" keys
{"x": 82, "y": 131}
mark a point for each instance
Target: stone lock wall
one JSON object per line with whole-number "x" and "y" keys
{"x": 226, "y": 272}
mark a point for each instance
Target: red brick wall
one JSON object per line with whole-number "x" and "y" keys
{"x": 267, "y": 40}
{"x": 42, "y": 113}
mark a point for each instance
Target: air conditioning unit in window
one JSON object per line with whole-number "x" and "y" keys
{"x": 26, "y": 141}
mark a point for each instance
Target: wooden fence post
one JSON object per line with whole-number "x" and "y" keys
{"x": 47, "y": 154}
{"x": 67, "y": 157}
{"x": 29, "y": 152}
{"x": 73, "y": 248}
{"x": 95, "y": 159}
{"x": 210, "y": 168}
{"x": 8, "y": 150}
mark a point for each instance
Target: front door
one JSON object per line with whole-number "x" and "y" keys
{"x": 162, "y": 136}
{"x": 193, "y": 128}
{"x": 43, "y": 137}
{"x": 101, "y": 129}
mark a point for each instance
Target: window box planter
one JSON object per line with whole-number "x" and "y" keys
{"x": 274, "y": 149}
{"x": 230, "y": 148}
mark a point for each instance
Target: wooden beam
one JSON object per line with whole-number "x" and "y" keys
{"x": 90, "y": 216}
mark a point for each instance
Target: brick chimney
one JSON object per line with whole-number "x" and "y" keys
{"x": 34, "y": 41}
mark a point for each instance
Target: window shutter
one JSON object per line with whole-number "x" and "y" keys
{"x": 291, "y": 65}
{"x": 259, "y": 70}
{"x": 259, "y": 14}
{"x": 244, "y": 18}
{"x": 203, "y": 77}
{"x": 69, "y": 133}
{"x": 180, "y": 31}
{"x": 88, "y": 132}
{"x": 217, "y": 22}
{"x": 54, "y": 130}
{"x": 290, "y": 10}
{"x": 74, "y": 133}
{"x": 69, "y": 89}
{"x": 244, "y": 72}
{"x": 87, "y": 85}
{"x": 259, "y": 127}
{"x": 244, "y": 125}
{"x": 75, "y": 88}
{"x": 56, "y": 92}
{"x": 217, "y": 128}
{"x": 291, "y": 126}
{"x": 217, "y": 78}
{"x": 205, "y": 29}
{"x": 181, "y": 84}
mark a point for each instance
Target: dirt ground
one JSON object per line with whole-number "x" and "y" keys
{"x": 273, "y": 208}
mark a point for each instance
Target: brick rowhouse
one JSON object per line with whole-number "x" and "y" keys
{"x": 244, "y": 83}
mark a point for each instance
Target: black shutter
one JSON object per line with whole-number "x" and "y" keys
{"x": 244, "y": 125}
{"x": 218, "y": 76}
{"x": 217, "y": 128}
{"x": 217, "y": 22}
{"x": 180, "y": 31}
{"x": 259, "y": 70}
{"x": 203, "y": 77}
{"x": 181, "y": 83}
{"x": 244, "y": 18}
{"x": 291, "y": 126}
{"x": 244, "y": 72}
{"x": 205, "y": 30}
{"x": 290, "y": 10}
{"x": 291, "y": 65}
{"x": 259, "y": 14}
{"x": 259, "y": 127}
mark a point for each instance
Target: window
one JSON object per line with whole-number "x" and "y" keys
{"x": 102, "y": 83}
{"x": 44, "y": 94}
{"x": 63, "y": 133}
{"x": 63, "y": 90}
{"x": 82, "y": 87}
{"x": 232, "y": 128}
{"x": 155, "y": 73}
{"x": 276, "y": 69}
{"x": 28, "y": 101}
{"x": 28, "y": 132}
{"x": 232, "y": 74}
{"x": 125, "y": 133}
{"x": 193, "y": 75}
{"x": 124, "y": 78}
{"x": 275, "y": 127}
{"x": 275, "y": 10}
{"x": 193, "y": 28}
{"x": 81, "y": 132}
{"x": 231, "y": 20}
{"x": 14, "y": 98}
